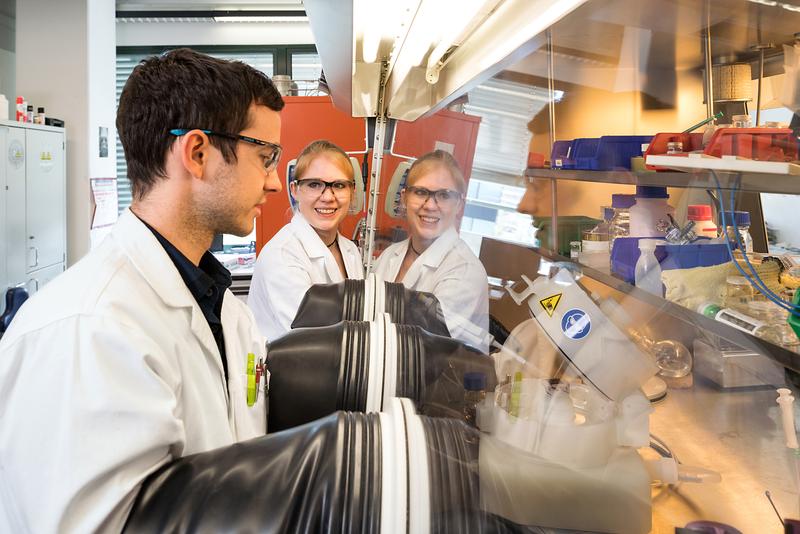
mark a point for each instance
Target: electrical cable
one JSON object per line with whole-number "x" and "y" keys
{"x": 758, "y": 283}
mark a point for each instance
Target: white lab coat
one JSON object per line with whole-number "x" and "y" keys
{"x": 108, "y": 373}
{"x": 450, "y": 271}
{"x": 290, "y": 263}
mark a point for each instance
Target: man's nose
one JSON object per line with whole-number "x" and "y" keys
{"x": 272, "y": 183}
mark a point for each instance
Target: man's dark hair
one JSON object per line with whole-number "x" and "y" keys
{"x": 185, "y": 89}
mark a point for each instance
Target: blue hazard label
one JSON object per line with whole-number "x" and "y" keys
{"x": 576, "y": 324}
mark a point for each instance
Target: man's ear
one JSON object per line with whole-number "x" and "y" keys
{"x": 194, "y": 151}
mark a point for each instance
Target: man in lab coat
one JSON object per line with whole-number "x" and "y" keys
{"x": 139, "y": 353}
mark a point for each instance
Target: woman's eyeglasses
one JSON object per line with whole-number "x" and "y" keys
{"x": 272, "y": 158}
{"x": 315, "y": 187}
{"x": 442, "y": 197}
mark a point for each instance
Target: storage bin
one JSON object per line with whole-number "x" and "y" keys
{"x": 612, "y": 152}
{"x": 701, "y": 253}
{"x": 559, "y": 156}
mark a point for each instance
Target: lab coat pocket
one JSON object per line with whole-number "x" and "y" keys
{"x": 251, "y": 421}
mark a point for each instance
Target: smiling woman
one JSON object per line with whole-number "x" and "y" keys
{"x": 434, "y": 259}
{"x": 309, "y": 250}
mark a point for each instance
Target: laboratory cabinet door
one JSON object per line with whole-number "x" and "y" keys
{"x": 14, "y": 157}
{"x": 40, "y": 277}
{"x": 46, "y": 199}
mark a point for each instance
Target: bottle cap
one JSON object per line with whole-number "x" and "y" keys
{"x": 40, "y": 110}
{"x": 742, "y": 218}
{"x": 708, "y": 308}
{"x": 30, "y": 107}
{"x": 650, "y": 191}
{"x": 19, "y": 100}
{"x": 620, "y": 201}
{"x": 474, "y": 381}
{"x": 698, "y": 212}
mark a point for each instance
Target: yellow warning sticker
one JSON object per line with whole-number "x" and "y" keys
{"x": 550, "y": 303}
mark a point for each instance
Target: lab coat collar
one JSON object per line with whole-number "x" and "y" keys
{"x": 151, "y": 260}
{"x": 316, "y": 249}
{"x": 434, "y": 254}
{"x": 154, "y": 264}
{"x": 430, "y": 259}
{"x": 309, "y": 238}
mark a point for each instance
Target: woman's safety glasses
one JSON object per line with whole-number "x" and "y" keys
{"x": 271, "y": 159}
{"x": 442, "y": 197}
{"x": 315, "y": 187}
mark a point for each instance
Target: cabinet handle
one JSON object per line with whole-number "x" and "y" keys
{"x": 35, "y": 256}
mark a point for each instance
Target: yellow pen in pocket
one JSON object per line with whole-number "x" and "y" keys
{"x": 251, "y": 379}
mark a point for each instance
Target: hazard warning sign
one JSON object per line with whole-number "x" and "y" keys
{"x": 550, "y": 303}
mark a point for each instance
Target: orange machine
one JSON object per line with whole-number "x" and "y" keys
{"x": 305, "y": 119}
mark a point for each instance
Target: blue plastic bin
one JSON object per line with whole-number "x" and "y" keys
{"x": 559, "y": 156}
{"x": 608, "y": 153}
{"x": 582, "y": 151}
{"x": 701, "y": 253}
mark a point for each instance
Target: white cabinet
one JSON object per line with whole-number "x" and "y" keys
{"x": 33, "y": 197}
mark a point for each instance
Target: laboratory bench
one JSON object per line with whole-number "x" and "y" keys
{"x": 737, "y": 433}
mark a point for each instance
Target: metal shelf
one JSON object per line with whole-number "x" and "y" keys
{"x": 701, "y": 179}
{"x": 783, "y": 356}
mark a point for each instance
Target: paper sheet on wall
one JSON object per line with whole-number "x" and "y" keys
{"x": 104, "y": 207}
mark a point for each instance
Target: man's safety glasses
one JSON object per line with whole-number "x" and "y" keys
{"x": 442, "y": 197}
{"x": 272, "y": 158}
{"x": 315, "y": 187}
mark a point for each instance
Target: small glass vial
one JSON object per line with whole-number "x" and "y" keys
{"x": 574, "y": 249}
{"x": 474, "y": 393}
{"x": 674, "y": 147}
{"x": 741, "y": 121}
{"x": 738, "y": 293}
{"x": 742, "y": 220}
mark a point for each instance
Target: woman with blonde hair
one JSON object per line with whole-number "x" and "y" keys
{"x": 434, "y": 259}
{"x": 309, "y": 250}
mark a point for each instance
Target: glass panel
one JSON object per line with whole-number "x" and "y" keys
{"x": 646, "y": 298}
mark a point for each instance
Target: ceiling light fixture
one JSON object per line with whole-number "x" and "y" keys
{"x": 248, "y": 18}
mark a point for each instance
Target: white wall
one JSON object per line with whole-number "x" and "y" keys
{"x": 8, "y": 84}
{"x": 212, "y": 33}
{"x": 102, "y": 90}
{"x": 7, "y": 55}
{"x": 65, "y": 62}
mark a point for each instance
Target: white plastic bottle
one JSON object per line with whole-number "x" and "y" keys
{"x": 647, "y": 273}
{"x": 650, "y": 214}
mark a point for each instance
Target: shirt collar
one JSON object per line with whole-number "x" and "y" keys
{"x": 198, "y": 278}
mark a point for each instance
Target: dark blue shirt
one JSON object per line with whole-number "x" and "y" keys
{"x": 207, "y": 284}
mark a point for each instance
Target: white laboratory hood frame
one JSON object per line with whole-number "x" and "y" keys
{"x": 434, "y": 51}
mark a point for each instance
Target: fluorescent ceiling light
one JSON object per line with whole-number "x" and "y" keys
{"x": 258, "y": 18}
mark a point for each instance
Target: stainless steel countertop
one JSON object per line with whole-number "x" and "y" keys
{"x": 737, "y": 433}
